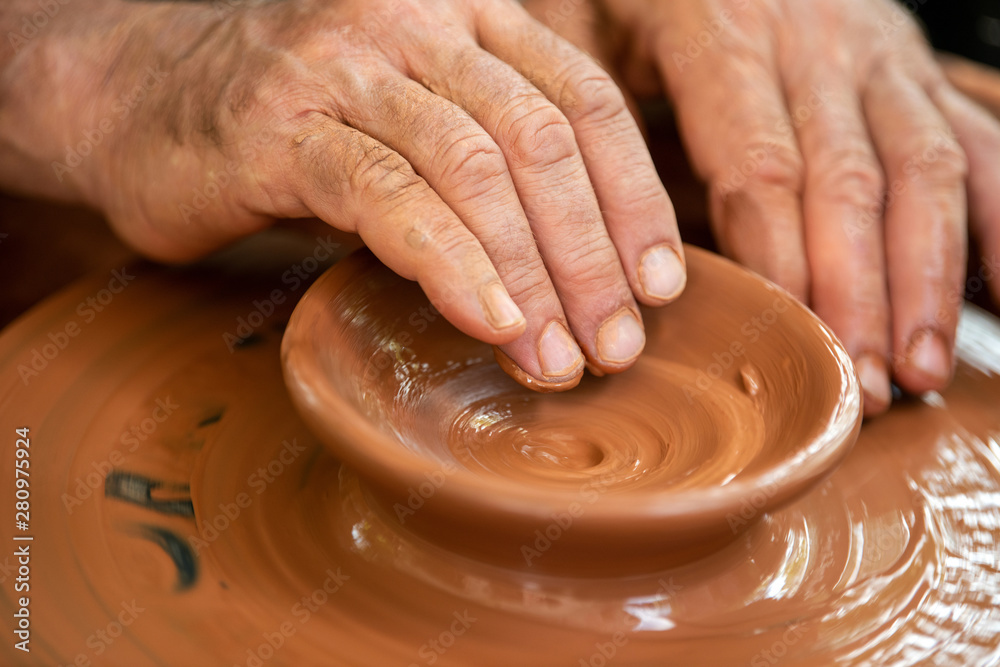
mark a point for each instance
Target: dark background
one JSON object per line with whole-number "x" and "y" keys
{"x": 970, "y": 28}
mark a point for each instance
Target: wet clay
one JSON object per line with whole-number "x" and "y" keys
{"x": 650, "y": 467}
{"x": 228, "y": 534}
{"x": 517, "y": 373}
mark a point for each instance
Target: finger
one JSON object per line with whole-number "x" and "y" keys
{"x": 636, "y": 209}
{"x": 924, "y": 225}
{"x": 586, "y": 27}
{"x": 842, "y": 211}
{"x": 555, "y": 192}
{"x": 978, "y": 133}
{"x": 466, "y": 168}
{"x": 357, "y": 184}
{"x": 975, "y": 81}
{"x": 741, "y": 141}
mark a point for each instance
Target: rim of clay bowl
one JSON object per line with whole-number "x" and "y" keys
{"x": 384, "y": 461}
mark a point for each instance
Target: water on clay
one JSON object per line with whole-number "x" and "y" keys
{"x": 651, "y": 468}
{"x": 183, "y": 514}
{"x": 549, "y": 440}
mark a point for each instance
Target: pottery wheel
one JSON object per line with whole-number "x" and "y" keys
{"x": 180, "y": 513}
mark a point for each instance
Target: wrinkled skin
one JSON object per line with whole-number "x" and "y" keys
{"x": 478, "y": 153}
{"x": 471, "y": 148}
{"x": 839, "y": 160}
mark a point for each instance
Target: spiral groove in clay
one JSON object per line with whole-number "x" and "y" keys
{"x": 237, "y": 538}
{"x": 740, "y": 391}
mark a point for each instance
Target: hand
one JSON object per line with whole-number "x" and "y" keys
{"x": 839, "y": 160}
{"x": 471, "y": 148}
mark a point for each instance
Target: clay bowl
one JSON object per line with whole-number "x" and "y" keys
{"x": 742, "y": 401}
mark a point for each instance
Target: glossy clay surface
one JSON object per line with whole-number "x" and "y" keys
{"x": 740, "y": 401}
{"x": 892, "y": 560}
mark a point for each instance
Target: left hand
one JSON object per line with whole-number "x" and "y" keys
{"x": 840, "y": 161}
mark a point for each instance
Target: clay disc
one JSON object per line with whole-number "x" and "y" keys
{"x": 180, "y": 513}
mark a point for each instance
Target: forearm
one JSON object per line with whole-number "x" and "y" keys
{"x": 70, "y": 76}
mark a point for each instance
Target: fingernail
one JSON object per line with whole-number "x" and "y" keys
{"x": 621, "y": 338}
{"x": 874, "y": 375}
{"x": 542, "y": 386}
{"x": 500, "y": 310}
{"x": 558, "y": 353}
{"x": 930, "y": 356}
{"x": 662, "y": 273}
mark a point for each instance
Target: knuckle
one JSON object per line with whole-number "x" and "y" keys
{"x": 850, "y": 174}
{"x": 512, "y": 245}
{"x": 647, "y": 192}
{"x": 440, "y": 235}
{"x": 589, "y": 269}
{"x": 475, "y": 164}
{"x": 383, "y": 174}
{"x": 592, "y": 279}
{"x": 539, "y": 134}
{"x": 591, "y": 95}
{"x": 944, "y": 161}
{"x": 790, "y": 275}
{"x": 869, "y": 300}
{"x": 529, "y": 282}
{"x": 783, "y": 168}
{"x": 763, "y": 162}
{"x": 763, "y": 237}
{"x": 864, "y": 298}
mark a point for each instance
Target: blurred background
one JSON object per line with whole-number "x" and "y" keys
{"x": 45, "y": 245}
{"x": 969, "y": 28}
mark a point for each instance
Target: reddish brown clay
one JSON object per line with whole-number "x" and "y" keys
{"x": 741, "y": 391}
{"x": 182, "y": 514}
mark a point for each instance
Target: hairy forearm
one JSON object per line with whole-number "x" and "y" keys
{"x": 71, "y": 74}
{"x": 51, "y": 66}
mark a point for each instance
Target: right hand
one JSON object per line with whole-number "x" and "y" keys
{"x": 471, "y": 148}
